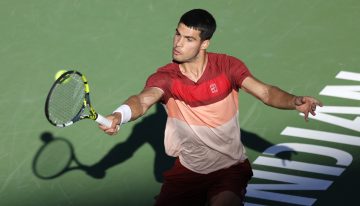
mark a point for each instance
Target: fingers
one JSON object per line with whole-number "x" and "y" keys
{"x": 310, "y": 109}
{"x": 115, "y": 126}
{"x": 306, "y": 114}
{"x": 313, "y": 109}
{"x": 314, "y": 105}
{"x": 112, "y": 130}
{"x": 309, "y": 106}
{"x": 315, "y": 102}
{"x": 319, "y": 103}
{"x": 312, "y": 112}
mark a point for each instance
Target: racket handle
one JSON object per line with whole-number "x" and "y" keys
{"x": 103, "y": 121}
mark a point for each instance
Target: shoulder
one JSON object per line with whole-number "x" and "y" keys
{"x": 225, "y": 62}
{"x": 167, "y": 71}
{"x": 163, "y": 76}
{"x": 170, "y": 67}
{"x": 234, "y": 68}
{"x": 219, "y": 58}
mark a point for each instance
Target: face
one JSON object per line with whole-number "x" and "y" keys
{"x": 187, "y": 44}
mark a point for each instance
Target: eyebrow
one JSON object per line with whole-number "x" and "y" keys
{"x": 188, "y": 37}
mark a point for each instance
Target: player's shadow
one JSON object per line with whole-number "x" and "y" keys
{"x": 259, "y": 144}
{"x": 150, "y": 130}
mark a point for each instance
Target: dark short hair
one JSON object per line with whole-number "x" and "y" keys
{"x": 200, "y": 19}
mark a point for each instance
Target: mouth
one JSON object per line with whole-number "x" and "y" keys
{"x": 176, "y": 52}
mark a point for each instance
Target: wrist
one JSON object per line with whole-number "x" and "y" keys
{"x": 125, "y": 112}
{"x": 298, "y": 100}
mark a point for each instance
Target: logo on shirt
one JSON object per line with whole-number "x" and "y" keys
{"x": 213, "y": 88}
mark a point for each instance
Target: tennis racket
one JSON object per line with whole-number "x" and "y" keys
{"x": 68, "y": 101}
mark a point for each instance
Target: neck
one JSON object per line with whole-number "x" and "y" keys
{"x": 194, "y": 69}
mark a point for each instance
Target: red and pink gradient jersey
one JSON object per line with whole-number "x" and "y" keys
{"x": 203, "y": 117}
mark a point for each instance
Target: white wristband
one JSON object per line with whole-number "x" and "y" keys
{"x": 125, "y": 113}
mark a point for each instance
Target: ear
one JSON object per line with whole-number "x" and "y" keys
{"x": 205, "y": 44}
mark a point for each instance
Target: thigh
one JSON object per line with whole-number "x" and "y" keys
{"x": 226, "y": 198}
{"x": 182, "y": 187}
{"x": 231, "y": 182}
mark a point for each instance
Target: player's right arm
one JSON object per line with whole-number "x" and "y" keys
{"x": 138, "y": 105}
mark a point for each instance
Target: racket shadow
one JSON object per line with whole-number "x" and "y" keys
{"x": 149, "y": 131}
{"x": 55, "y": 158}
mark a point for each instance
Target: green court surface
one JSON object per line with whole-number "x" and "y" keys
{"x": 300, "y": 46}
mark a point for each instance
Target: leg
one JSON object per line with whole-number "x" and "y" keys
{"x": 230, "y": 186}
{"x": 226, "y": 198}
{"x": 182, "y": 187}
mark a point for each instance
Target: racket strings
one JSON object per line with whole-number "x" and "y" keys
{"x": 67, "y": 99}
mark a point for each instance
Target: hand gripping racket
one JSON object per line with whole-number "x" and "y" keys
{"x": 68, "y": 99}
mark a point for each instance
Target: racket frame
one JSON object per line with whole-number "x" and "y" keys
{"x": 86, "y": 103}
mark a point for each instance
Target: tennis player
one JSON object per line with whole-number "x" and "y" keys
{"x": 199, "y": 90}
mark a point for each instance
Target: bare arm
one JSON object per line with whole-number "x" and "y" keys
{"x": 138, "y": 104}
{"x": 142, "y": 102}
{"x": 275, "y": 97}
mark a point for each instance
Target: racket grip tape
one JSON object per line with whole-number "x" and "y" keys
{"x": 103, "y": 121}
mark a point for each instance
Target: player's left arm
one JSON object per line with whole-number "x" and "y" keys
{"x": 278, "y": 98}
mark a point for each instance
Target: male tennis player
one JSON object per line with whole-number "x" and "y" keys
{"x": 200, "y": 92}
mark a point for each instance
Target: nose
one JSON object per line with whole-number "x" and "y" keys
{"x": 178, "y": 41}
